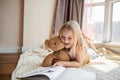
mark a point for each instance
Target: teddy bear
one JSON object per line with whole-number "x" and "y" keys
{"x": 59, "y": 53}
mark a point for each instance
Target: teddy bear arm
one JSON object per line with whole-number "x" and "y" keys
{"x": 64, "y": 56}
{"x": 48, "y": 60}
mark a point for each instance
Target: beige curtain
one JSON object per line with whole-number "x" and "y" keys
{"x": 67, "y": 10}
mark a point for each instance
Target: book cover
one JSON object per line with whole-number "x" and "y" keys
{"x": 58, "y": 73}
{"x": 45, "y": 73}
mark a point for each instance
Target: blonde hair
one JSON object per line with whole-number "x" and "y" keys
{"x": 75, "y": 28}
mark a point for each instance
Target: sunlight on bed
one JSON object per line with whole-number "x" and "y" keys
{"x": 107, "y": 66}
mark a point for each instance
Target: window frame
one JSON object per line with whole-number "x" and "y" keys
{"x": 108, "y": 20}
{"x": 107, "y": 32}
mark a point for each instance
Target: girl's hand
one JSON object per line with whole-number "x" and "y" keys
{"x": 59, "y": 63}
{"x": 54, "y": 61}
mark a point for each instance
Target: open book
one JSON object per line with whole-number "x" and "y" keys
{"x": 45, "y": 73}
{"x": 58, "y": 73}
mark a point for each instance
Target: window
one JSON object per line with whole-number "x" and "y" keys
{"x": 116, "y": 22}
{"x": 100, "y": 22}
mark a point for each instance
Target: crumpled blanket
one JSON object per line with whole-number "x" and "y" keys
{"x": 29, "y": 60}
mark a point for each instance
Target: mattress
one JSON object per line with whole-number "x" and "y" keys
{"x": 105, "y": 69}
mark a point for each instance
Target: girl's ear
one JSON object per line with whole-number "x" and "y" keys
{"x": 46, "y": 43}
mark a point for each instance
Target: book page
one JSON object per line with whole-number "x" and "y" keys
{"x": 77, "y": 74}
{"x": 51, "y": 72}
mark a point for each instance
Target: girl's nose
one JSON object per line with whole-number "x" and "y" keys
{"x": 66, "y": 41}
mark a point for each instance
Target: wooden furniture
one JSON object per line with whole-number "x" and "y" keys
{"x": 8, "y": 63}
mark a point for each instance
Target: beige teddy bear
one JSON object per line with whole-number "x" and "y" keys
{"x": 59, "y": 53}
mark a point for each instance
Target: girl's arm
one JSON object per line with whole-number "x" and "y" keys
{"x": 68, "y": 64}
{"x": 79, "y": 62}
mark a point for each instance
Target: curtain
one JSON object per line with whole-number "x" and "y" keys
{"x": 67, "y": 10}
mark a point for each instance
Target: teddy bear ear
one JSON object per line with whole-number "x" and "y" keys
{"x": 46, "y": 43}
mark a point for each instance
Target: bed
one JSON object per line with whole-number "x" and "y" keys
{"x": 105, "y": 68}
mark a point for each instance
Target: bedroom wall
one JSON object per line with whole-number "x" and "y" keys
{"x": 25, "y": 24}
{"x": 38, "y": 19}
{"x": 10, "y": 25}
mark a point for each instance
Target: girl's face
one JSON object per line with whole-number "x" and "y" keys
{"x": 67, "y": 38}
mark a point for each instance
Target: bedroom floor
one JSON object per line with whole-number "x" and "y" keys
{"x": 8, "y": 62}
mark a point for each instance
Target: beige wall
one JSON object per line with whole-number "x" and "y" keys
{"x": 29, "y": 30}
{"x": 10, "y": 25}
{"x": 38, "y": 19}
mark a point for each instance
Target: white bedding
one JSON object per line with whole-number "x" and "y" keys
{"x": 31, "y": 59}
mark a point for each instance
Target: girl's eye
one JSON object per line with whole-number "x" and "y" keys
{"x": 55, "y": 43}
{"x": 62, "y": 37}
{"x": 69, "y": 38}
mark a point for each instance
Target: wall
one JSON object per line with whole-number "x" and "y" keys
{"x": 28, "y": 30}
{"x": 10, "y": 26}
{"x": 38, "y": 19}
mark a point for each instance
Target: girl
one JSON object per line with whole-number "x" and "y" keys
{"x": 77, "y": 45}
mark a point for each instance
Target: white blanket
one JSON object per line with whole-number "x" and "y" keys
{"x": 31, "y": 59}
{"x": 28, "y": 61}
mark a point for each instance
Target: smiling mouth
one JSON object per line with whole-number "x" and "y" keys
{"x": 67, "y": 44}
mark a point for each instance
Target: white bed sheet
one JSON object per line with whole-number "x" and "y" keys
{"x": 31, "y": 59}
